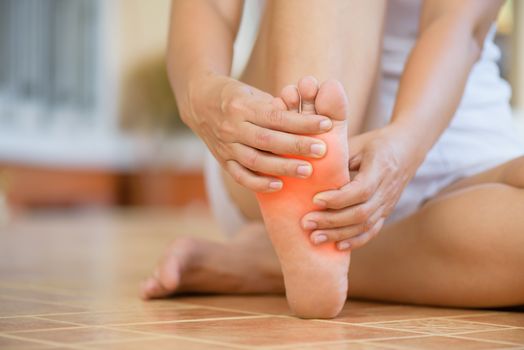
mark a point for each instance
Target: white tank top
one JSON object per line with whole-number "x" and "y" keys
{"x": 485, "y": 88}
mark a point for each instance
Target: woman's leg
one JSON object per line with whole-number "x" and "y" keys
{"x": 463, "y": 248}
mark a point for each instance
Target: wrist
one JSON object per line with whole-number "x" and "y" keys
{"x": 195, "y": 95}
{"x": 408, "y": 140}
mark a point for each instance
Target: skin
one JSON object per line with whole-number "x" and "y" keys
{"x": 435, "y": 241}
{"x": 315, "y": 276}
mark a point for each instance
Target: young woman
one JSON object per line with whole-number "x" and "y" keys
{"x": 438, "y": 169}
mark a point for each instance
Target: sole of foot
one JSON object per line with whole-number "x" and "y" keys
{"x": 316, "y": 277}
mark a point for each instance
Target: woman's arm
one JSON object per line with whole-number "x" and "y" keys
{"x": 201, "y": 38}
{"x": 451, "y": 38}
{"x": 241, "y": 125}
{"x": 450, "y": 41}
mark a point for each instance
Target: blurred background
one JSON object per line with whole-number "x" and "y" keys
{"x": 87, "y": 117}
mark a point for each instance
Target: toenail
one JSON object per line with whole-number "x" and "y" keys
{"x": 319, "y": 239}
{"x": 344, "y": 245}
{"x": 325, "y": 125}
{"x": 310, "y": 225}
{"x": 275, "y": 185}
{"x": 318, "y": 149}
{"x": 304, "y": 170}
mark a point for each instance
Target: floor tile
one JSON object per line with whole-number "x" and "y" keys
{"x": 158, "y": 344}
{"x": 41, "y": 295}
{"x": 81, "y": 335}
{"x": 15, "y": 344}
{"x": 180, "y": 313}
{"x": 515, "y": 336}
{"x": 437, "y": 326}
{"x": 440, "y": 342}
{"x": 515, "y": 319}
{"x": 28, "y": 323}
{"x": 13, "y": 307}
{"x": 87, "y": 269}
{"x": 268, "y": 331}
{"x": 338, "y": 346}
{"x": 267, "y": 304}
{"x": 395, "y": 312}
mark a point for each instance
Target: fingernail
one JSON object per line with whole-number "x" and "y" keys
{"x": 318, "y": 149}
{"x": 309, "y": 225}
{"x": 319, "y": 202}
{"x": 319, "y": 239}
{"x": 344, "y": 245}
{"x": 325, "y": 124}
{"x": 275, "y": 185}
{"x": 304, "y": 170}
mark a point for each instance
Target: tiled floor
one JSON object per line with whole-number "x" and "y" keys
{"x": 69, "y": 281}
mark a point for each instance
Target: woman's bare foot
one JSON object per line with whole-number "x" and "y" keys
{"x": 247, "y": 264}
{"x": 315, "y": 276}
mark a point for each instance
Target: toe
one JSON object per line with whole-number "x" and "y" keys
{"x": 151, "y": 288}
{"x": 331, "y": 100}
{"x": 291, "y": 97}
{"x": 308, "y": 89}
{"x": 165, "y": 280}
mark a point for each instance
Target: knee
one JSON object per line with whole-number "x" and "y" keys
{"x": 513, "y": 174}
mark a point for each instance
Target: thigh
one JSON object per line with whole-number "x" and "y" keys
{"x": 462, "y": 248}
{"x": 243, "y": 198}
{"x": 510, "y": 173}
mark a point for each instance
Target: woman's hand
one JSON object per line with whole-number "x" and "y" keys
{"x": 385, "y": 162}
{"x": 247, "y": 129}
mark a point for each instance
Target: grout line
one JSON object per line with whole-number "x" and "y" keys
{"x": 210, "y": 342}
{"x": 58, "y": 321}
{"x": 393, "y": 346}
{"x": 387, "y": 345}
{"x": 41, "y": 288}
{"x": 409, "y": 319}
{"x": 75, "y": 325}
{"x": 498, "y": 326}
{"x": 44, "y": 342}
{"x": 372, "y": 326}
{"x": 232, "y": 310}
{"x": 167, "y": 336}
{"x": 91, "y": 311}
{"x": 489, "y": 324}
{"x": 188, "y": 320}
{"x": 84, "y": 325}
{"x": 501, "y": 342}
{"x": 348, "y": 341}
{"x": 55, "y": 329}
{"x": 118, "y": 341}
{"x": 441, "y": 334}
{"x": 43, "y": 315}
{"x": 53, "y": 303}
{"x": 398, "y": 346}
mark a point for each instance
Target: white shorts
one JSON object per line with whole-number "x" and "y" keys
{"x": 466, "y": 148}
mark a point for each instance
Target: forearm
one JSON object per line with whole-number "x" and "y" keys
{"x": 340, "y": 39}
{"x": 435, "y": 76}
{"x": 201, "y": 37}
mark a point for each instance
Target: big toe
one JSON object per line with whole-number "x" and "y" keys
{"x": 151, "y": 288}
{"x": 164, "y": 281}
{"x": 331, "y": 100}
{"x": 308, "y": 90}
